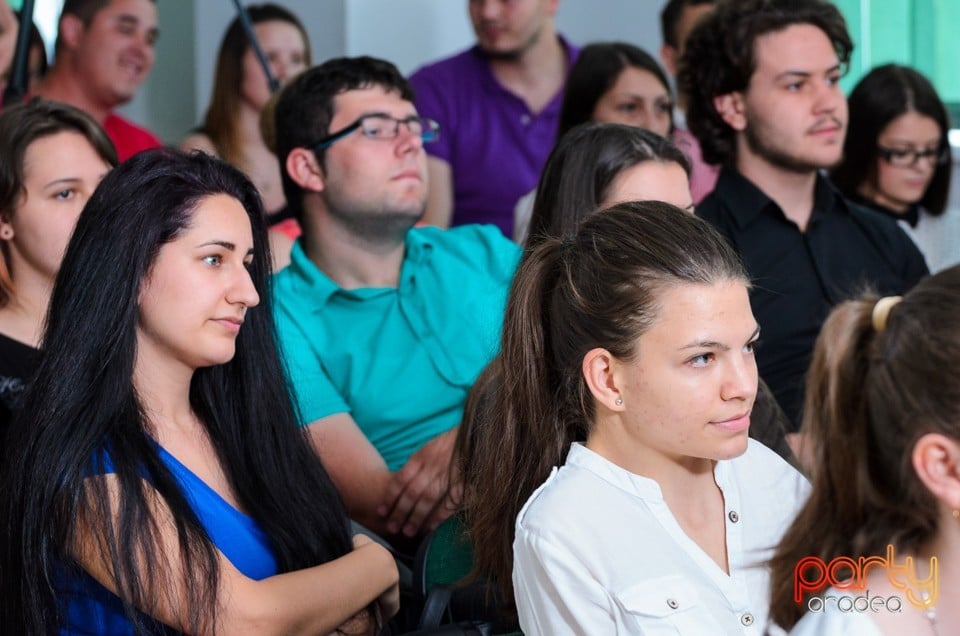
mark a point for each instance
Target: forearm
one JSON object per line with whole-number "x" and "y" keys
{"x": 312, "y": 601}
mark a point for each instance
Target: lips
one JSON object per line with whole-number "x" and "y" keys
{"x": 409, "y": 174}
{"x": 735, "y": 424}
{"x": 826, "y": 127}
{"x": 230, "y": 324}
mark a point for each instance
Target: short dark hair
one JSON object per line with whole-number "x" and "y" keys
{"x": 719, "y": 58}
{"x": 670, "y": 17}
{"x": 594, "y": 73}
{"x": 881, "y": 96}
{"x": 83, "y": 9}
{"x": 305, "y": 107}
{"x": 581, "y": 168}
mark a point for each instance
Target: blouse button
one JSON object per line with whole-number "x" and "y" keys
{"x": 734, "y": 517}
{"x": 672, "y": 603}
{"x": 747, "y": 619}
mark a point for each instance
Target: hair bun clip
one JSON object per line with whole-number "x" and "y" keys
{"x": 881, "y": 310}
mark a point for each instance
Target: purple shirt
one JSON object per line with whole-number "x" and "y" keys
{"x": 495, "y": 145}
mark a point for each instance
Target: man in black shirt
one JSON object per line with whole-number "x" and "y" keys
{"x": 762, "y": 83}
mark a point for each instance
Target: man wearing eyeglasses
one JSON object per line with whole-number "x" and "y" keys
{"x": 763, "y": 98}
{"x": 384, "y": 326}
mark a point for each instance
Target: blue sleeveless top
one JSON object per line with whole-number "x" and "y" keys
{"x": 90, "y": 608}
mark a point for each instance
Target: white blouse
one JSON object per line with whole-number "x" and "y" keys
{"x": 597, "y": 550}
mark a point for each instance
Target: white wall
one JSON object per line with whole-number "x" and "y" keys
{"x": 407, "y": 32}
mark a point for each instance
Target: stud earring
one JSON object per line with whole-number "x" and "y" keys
{"x": 6, "y": 234}
{"x": 619, "y": 402}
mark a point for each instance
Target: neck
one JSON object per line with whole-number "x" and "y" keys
{"x": 686, "y": 482}
{"x": 248, "y": 124}
{"x": 163, "y": 386}
{"x": 946, "y": 548}
{"x": 870, "y": 193}
{"x": 537, "y": 73}
{"x": 62, "y": 84}
{"x": 349, "y": 260}
{"x": 23, "y": 316}
{"x": 792, "y": 191}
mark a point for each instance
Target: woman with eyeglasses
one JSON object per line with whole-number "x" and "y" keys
{"x": 897, "y": 159}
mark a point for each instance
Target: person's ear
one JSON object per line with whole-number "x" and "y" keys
{"x": 668, "y": 55}
{"x": 732, "y": 109}
{"x": 71, "y": 30}
{"x": 304, "y": 169}
{"x": 599, "y": 369}
{"x": 936, "y": 459}
{"x": 6, "y": 228}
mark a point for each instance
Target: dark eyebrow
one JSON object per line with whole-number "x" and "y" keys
{"x": 712, "y": 344}
{"x": 65, "y": 181}
{"x": 227, "y": 245}
{"x": 806, "y": 74}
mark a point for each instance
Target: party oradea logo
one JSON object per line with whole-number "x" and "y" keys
{"x": 848, "y": 577}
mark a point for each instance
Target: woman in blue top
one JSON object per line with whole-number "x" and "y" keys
{"x": 158, "y": 480}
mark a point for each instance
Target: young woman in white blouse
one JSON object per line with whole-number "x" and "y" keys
{"x": 627, "y": 361}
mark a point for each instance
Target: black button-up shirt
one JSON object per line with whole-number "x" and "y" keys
{"x": 798, "y": 276}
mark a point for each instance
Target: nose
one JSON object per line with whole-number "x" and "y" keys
{"x": 828, "y": 97}
{"x": 740, "y": 382}
{"x": 407, "y": 141}
{"x": 488, "y": 9}
{"x": 243, "y": 292}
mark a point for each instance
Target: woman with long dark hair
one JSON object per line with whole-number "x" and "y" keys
{"x": 882, "y": 415}
{"x": 897, "y": 158}
{"x": 621, "y": 416}
{"x": 611, "y": 82}
{"x": 157, "y": 478}
{"x": 54, "y": 155}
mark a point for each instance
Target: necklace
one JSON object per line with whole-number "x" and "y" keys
{"x": 931, "y": 613}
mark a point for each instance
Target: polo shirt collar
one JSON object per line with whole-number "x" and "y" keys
{"x": 318, "y": 288}
{"x": 746, "y": 201}
{"x": 480, "y": 57}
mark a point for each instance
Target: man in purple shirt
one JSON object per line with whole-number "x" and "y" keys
{"x": 498, "y": 104}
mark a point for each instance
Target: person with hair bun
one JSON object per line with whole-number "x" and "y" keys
{"x": 882, "y": 421}
{"x": 627, "y": 381}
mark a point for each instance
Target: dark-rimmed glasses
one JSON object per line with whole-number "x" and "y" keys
{"x": 908, "y": 157}
{"x": 385, "y": 127}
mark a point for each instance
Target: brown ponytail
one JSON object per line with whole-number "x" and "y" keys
{"x": 598, "y": 288}
{"x": 870, "y": 396}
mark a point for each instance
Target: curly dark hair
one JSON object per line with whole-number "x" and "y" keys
{"x": 719, "y": 59}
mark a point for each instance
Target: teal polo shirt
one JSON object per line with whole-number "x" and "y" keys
{"x": 399, "y": 360}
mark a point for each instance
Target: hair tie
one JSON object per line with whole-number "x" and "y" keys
{"x": 881, "y": 311}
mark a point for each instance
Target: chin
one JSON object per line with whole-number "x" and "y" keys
{"x": 734, "y": 447}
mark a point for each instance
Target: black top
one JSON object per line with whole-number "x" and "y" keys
{"x": 17, "y": 364}
{"x": 798, "y": 276}
{"x": 911, "y": 215}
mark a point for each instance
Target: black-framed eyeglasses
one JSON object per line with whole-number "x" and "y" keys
{"x": 908, "y": 157}
{"x": 385, "y": 127}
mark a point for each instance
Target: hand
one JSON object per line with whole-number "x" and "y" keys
{"x": 360, "y": 624}
{"x": 416, "y": 497}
